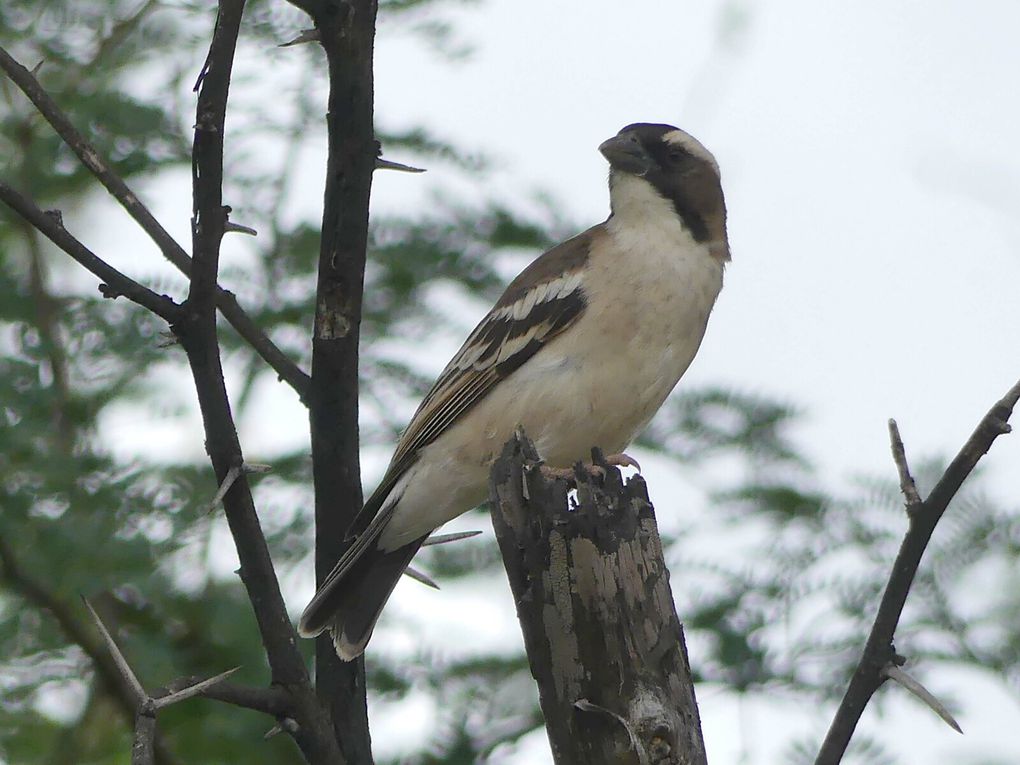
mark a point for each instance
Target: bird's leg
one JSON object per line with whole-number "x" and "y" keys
{"x": 618, "y": 460}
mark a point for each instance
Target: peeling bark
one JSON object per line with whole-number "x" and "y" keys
{"x": 593, "y": 598}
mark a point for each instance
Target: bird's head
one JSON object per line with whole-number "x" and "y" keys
{"x": 660, "y": 166}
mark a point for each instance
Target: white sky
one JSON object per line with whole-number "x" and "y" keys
{"x": 871, "y": 164}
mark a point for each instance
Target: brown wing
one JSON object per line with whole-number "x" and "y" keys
{"x": 545, "y": 299}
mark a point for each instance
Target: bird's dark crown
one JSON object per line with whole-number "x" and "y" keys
{"x": 679, "y": 168}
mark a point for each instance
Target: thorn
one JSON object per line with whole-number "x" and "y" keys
{"x": 167, "y": 339}
{"x": 232, "y": 475}
{"x": 228, "y": 480}
{"x": 108, "y": 292}
{"x": 56, "y": 216}
{"x": 192, "y": 690}
{"x": 898, "y": 675}
{"x": 286, "y": 724}
{"x": 442, "y": 539}
{"x": 418, "y": 576}
{"x": 1000, "y": 426}
{"x": 306, "y": 36}
{"x": 122, "y": 664}
{"x": 231, "y": 226}
{"x": 34, "y": 71}
{"x": 385, "y": 164}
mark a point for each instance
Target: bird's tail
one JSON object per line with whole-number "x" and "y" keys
{"x": 349, "y": 602}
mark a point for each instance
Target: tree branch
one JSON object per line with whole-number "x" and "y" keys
{"x": 347, "y": 34}
{"x": 143, "y": 749}
{"x": 907, "y": 485}
{"x": 879, "y": 651}
{"x": 286, "y": 369}
{"x": 48, "y": 311}
{"x": 198, "y": 336}
{"x": 36, "y": 592}
{"x": 50, "y": 225}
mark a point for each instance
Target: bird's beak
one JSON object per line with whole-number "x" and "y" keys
{"x": 625, "y": 152}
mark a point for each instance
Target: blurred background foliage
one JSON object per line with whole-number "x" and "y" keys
{"x": 776, "y": 584}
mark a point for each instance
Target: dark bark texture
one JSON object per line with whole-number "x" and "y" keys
{"x": 593, "y": 597}
{"x": 347, "y": 34}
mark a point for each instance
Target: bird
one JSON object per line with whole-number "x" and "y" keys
{"x": 581, "y": 350}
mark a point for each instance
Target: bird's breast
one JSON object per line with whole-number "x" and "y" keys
{"x": 648, "y": 309}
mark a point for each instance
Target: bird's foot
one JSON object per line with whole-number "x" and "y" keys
{"x": 623, "y": 460}
{"x": 567, "y": 474}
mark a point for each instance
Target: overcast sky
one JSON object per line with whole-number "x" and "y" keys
{"x": 870, "y": 160}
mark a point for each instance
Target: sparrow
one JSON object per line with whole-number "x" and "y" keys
{"x": 581, "y": 350}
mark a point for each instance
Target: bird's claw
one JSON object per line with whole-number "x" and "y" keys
{"x": 623, "y": 460}
{"x": 597, "y": 471}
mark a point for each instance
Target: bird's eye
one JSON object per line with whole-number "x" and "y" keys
{"x": 676, "y": 156}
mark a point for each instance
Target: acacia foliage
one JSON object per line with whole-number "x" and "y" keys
{"x": 81, "y": 377}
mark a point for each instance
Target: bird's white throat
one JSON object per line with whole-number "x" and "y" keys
{"x": 638, "y": 207}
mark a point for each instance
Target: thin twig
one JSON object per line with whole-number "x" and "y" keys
{"x": 143, "y": 748}
{"x": 90, "y": 157}
{"x": 879, "y": 651}
{"x": 272, "y": 700}
{"x": 199, "y": 338}
{"x": 26, "y": 81}
{"x": 49, "y": 311}
{"x": 115, "y": 283}
{"x": 36, "y": 592}
{"x": 907, "y": 485}
{"x": 993, "y": 425}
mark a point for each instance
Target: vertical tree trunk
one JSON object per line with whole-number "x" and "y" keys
{"x": 594, "y": 602}
{"x": 347, "y": 33}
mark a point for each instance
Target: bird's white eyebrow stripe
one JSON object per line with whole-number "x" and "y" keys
{"x": 691, "y": 145}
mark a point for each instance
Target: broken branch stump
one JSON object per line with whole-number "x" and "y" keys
{"x": 593, "y": 599}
